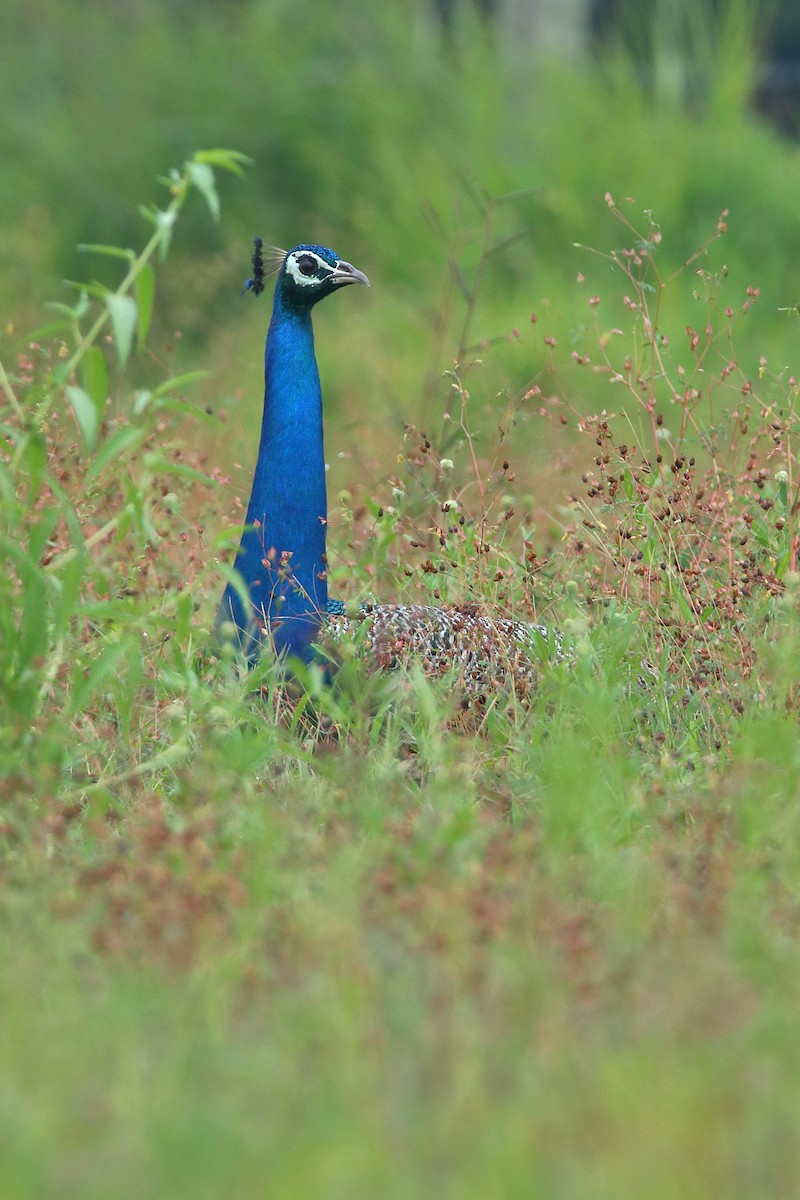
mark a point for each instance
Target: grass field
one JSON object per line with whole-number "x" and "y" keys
{"x": 374, "y": 940}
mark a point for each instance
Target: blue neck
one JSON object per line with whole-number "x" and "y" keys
{"x": 282, "y": 553}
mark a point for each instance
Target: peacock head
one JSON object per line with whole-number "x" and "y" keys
{"x": 306, "y": 274}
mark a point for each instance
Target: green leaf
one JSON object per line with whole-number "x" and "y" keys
{"x": 164, "y": 222}
{"x": 184, "y": 614}
{"x": 191, "y": 410}
{"x": 33, "y": 455}
{"x": 143, "y": 400}
{"x": 98, "y": 290}
{"x": 156, "y": 463}
{"x": 66, "y": 594}
{"x": 94, "y": 374}
{"x": 46, "y": 331}
{"x": 78, "y": 310}
{"x": 202, "y": 177}
{"x": 70, "y": 517}
{"x": 178, "y": 381}
{"x": 114, "y": 447}
{"x": 136, "y": 514}
{"x": 32, "y": 629}
{"x": 226, "y": 160}
{"x": 145, "y": 289}
{"x": 111, "y": 251}
{"x": 86, "y": 414}
{"x": 7, "y": 489}
{"x": 85, "y": 683}
{"x": 40, "y": 534}
{"x": 126, "y": 689}
{"x": 123, "y": 313}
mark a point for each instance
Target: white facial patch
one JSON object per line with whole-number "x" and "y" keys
{"x": 302, "y": 278}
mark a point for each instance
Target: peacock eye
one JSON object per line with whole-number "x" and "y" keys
{"x": 307, "y": 265}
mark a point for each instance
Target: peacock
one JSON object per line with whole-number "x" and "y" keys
{"x": 280, "y": 597}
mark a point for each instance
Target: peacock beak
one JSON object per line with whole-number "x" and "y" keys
{"x": 345, "y": 272}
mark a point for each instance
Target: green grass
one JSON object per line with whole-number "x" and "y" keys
{"x": 369, "y": 941}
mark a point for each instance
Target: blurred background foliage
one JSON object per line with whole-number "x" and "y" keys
{"x": 373, "y": 128}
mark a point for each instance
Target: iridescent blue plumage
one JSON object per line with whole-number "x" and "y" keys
{"x": 281, "y": 557}
{"x": 281, "y": 561}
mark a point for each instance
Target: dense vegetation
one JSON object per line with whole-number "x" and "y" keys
{"x": 375, "y": 940}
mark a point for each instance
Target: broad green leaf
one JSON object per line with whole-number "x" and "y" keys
{"x": 94, "y": 373}
{"x": 86, "y": 414}
{"x": 144, "y": 289}
{"x": 123, "y": 313}
{"x": 202, "y": 177}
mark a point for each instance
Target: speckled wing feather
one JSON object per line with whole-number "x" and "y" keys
{"x": 487, "y": 651}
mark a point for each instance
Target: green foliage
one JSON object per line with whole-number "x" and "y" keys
{"x": 81, "y": 521}
{"x": 336, "y": 114}
{"x": 383, "y": 939}
{"x": 266, "y": 916}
